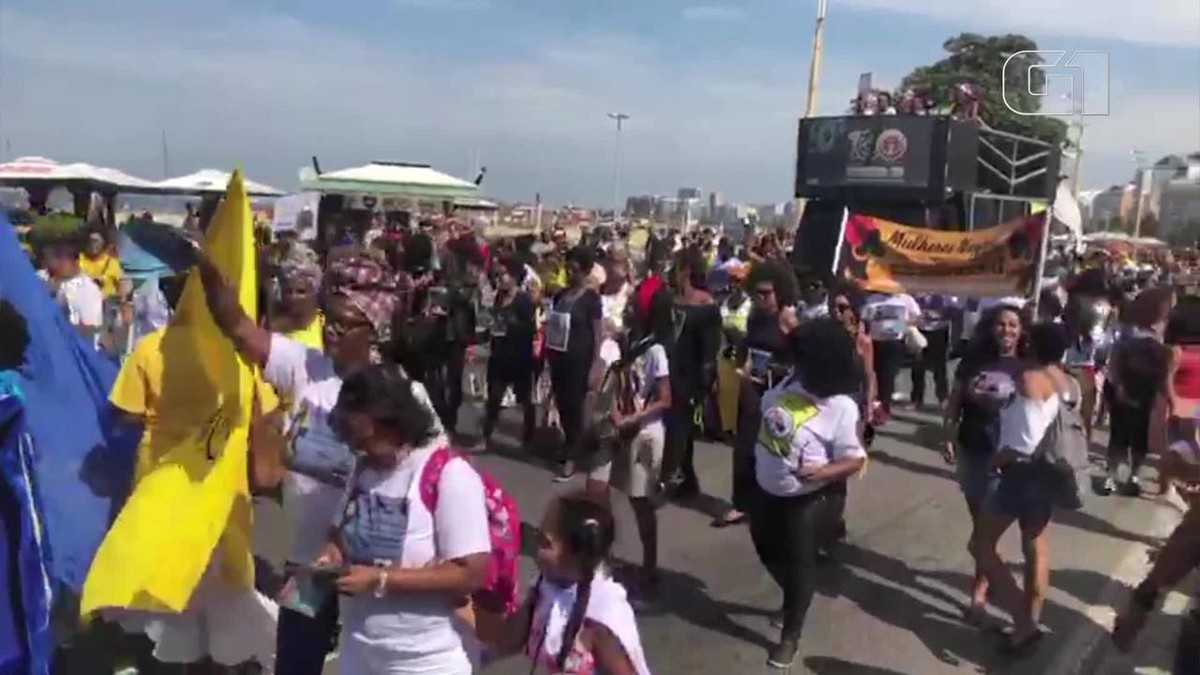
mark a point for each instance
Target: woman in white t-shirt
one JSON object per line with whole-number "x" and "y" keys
{"x": 360, "y": 301}
{"x": 808, "y": 442}
{"x": 401, "y": 566}
{"x": 888, "y": 318}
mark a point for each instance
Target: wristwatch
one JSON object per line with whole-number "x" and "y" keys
{"x": 381, "y": 583}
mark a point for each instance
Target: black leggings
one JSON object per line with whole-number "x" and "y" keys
{"x": 787, "y": 532}
{"x": 445, "y": 384}
{"x": 889, "y": 357}
{"x": 745, "y": 485}
{"x": 679, "y": 455}
{"x": 1129, "y": 436}
{"x": 521, "y": 382}
{"x": 569, "y": 382}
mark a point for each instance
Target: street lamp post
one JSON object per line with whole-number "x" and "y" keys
{"x": 620, "y": 119}
{"x": 1139, "y": 158}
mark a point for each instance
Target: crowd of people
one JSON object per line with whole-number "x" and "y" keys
{"x": 400, "y": 549}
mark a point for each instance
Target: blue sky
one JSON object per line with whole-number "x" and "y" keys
{"x": 714, "y": 89}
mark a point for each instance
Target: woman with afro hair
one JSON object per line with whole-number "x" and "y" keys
{"x": 766, "y": 362}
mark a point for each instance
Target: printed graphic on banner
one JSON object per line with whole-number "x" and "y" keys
{"x": 297, "y": 213}
{"x": 887, "y": 257}
{"x": 883, "y": 150}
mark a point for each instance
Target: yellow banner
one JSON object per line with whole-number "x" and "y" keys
{"x": 887, "y": 257}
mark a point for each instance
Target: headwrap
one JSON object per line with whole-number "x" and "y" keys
{"x": 369, "y": 284}
{"x": 301, "y": 262}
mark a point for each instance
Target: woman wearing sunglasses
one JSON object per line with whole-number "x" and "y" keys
{"x": 360, "y": 300}
{"x": 767, "y": 361}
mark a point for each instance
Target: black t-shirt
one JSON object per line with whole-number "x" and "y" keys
{"x": 987, "y": 385}
{"x": 693, "y": 352}
{"x": 513, "y": 329}
{"x": 1141, "y": 369}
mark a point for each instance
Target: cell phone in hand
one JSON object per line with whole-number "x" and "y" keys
{"x": 330, "y": 572}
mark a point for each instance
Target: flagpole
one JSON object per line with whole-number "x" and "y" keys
{"x": 837, "y": 251}
{"x": 1043, "y": 252}
{"x": 814, "y": 78}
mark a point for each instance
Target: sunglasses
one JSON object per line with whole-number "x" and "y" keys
{"x": 841, "y": 307}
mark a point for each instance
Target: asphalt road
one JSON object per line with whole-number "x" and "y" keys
{"x": 891, "y": 605}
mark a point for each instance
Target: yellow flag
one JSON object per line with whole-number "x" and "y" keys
{"x": 190, "y": 501}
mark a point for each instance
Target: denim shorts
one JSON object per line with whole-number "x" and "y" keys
{"x": 1024, "y": 492}
{"x": 975, "y": 476}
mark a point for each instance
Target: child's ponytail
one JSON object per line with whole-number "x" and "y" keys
{"x": 589, "y": 532}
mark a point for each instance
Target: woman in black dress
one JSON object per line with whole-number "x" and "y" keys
{"x": 767, "y": 360}
{"x": 573, "y": 328}
{"x": 696, "y": 320}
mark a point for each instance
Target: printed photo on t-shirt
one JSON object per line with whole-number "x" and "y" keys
{"x": 558, "y": 331}
{"x": 888, "y": 322}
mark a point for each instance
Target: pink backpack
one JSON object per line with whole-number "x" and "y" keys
{"x": 504, "y": 527}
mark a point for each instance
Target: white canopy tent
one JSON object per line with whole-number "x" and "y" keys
{"x": 393, "y": 179}
{"x": 26, "y": 171}
{"x": 212, "y": 181}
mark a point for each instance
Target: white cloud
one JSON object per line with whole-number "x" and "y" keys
{"x": 713, "y": 13}
{"x": 443, "y": 5}
{"x": 268, "y": 91}
{"x": 1161, "y": 22}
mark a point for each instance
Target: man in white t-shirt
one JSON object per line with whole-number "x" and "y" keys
{"x": 888, "y": 318}
{"x": 79, "y": 296}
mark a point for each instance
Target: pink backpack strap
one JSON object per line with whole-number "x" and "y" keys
{"x": 431, "y": 474}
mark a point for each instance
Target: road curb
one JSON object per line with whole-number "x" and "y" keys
{"x": 1088, "y": 646}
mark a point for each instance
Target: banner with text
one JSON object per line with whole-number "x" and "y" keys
{"x": 887, "y": 257}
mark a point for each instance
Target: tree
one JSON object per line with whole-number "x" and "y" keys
{"x": 980, "y": 60}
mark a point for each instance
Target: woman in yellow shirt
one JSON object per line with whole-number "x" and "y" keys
{"x": 98, "y": 262}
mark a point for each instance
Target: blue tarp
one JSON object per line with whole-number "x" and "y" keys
{"x": 26, "y": 641}
{"x": 83, "y": 461}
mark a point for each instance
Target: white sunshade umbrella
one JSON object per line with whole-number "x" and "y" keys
{"x": 25, "y": 170}
{"x": 208, "y": 181}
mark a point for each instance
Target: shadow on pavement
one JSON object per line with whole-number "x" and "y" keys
{"x": 704, "y": 504}
{"x": 884, "y": 457}
{"x": 686, "y": 597}
{"x": 943, "y": 632}
{"x": 927, "y": 434}
{"x": 823, "y": 665}
{"x": 1089, "y": 523}
{"x": 1085, "y": 585}
{"x": 897, "y": 601}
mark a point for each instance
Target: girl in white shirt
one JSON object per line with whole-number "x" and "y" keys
{"x": 577, "y": 619}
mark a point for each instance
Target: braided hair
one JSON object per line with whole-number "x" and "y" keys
{"x": 587, "y": 530}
